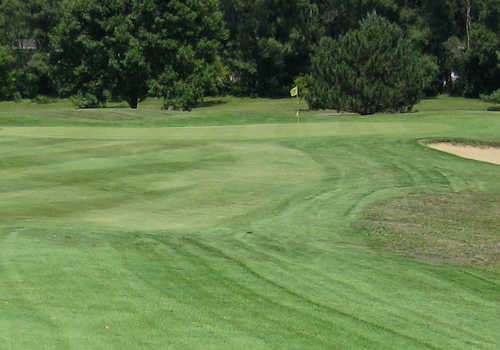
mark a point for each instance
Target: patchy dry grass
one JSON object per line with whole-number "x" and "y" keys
{"x": 452, "y": 227}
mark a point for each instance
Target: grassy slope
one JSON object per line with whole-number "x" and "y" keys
{"x": 240, "y": 237}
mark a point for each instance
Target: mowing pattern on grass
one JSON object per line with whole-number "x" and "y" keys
{"x": 458, "y": 227}
{"x": 234, "y": 237}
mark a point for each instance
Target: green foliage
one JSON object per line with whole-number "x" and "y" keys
{"x": 41, "y": 99}
{"x": 270, "y": 42}
{"x": 372, "y": 69}
{"x": 7, "y": 76}
{"x": 481, "y": 71}
{"x": 302, "y": 82}
{"x": 133, "y": 48}
{"x": 34, "y": 77}
{"x": 494, "y": 97}
{"x": 89, "y": 47}
{"x": 24, "y": 27}
{"x": 87, "y": 100}
{"x": 13, "y": 22}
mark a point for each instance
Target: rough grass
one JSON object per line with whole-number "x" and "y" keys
{"x": 119, "y": 231}
{"x": 452, "y": 227}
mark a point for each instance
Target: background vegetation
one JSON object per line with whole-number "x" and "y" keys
{"x": 184, "y": 50}
{"x": 371, "y": 69}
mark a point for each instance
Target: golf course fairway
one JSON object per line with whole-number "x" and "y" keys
{"x": 235, "y": 227}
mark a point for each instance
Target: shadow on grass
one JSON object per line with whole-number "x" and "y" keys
{"x": 211, "y": 103}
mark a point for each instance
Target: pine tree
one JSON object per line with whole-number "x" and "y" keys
{"x": 371, "y": 69}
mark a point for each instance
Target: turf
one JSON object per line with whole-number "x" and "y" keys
{"x": 234, "y": 227}
{"x": 465, "y": 231}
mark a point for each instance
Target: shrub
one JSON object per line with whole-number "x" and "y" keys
{"x": 494, "y": 97}
{"x": 41, "y": 99}
{"x": 183, "y": 96}
{"x": 86, "y": 100}
{"x": 368, "y": 70}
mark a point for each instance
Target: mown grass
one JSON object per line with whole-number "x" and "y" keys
{"x": 241, "y": 229}
{"x": 215, "y": 112}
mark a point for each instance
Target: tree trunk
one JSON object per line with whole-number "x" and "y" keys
{"x": 132, "y": 102}
{"x": 468, "y": 22}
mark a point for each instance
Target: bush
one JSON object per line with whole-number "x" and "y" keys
{"x": 41, "y": 99}
{"x": 493, "y": 109}
{"x": 368, "y": 70}
{"x": 494, "y": 97}
{"x": 86, "y": 100}
{"x": 183, "y": 96}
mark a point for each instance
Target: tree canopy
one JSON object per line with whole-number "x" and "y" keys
{"x": 127, "y": 49}
{"x": 7, "y": 78}
{"x": 370, "y": 69}
{"x": 184, "y": 49}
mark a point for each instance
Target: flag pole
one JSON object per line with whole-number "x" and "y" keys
{"x": 295, "y": 92}
{"x": 298, "y": 106}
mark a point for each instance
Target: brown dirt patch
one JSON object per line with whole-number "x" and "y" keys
{"x": 482, "y": 153}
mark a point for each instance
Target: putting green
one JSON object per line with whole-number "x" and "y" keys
{"x": 156, "y": 186}
{"x": 248, "y": 177}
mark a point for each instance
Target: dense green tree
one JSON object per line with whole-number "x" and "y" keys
{"x": 25, "y": 26}
{"x": 370, "y": 69}
{"x": 28, "y": 19}
{"x": 13, "y": 26}
{"x": 129, "y": 48}
{"x": 7, "y": 76}
{"x": 171, "y": 48}
{"x": 43, "y": 17}
{"x": 481, "y": 73}
{"x": 271, "y": 40}
{"x": 182, "y": 45}
{"x": 34, "y": 77}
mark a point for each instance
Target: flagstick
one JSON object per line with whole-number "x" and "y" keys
{"x": 298, "y": 107}
{"x": 295, "y": 92}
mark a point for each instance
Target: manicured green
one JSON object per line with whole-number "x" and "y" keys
{"x": 235, "y": 227}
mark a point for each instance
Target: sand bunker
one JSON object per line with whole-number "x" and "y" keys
{"x": 485, "y": 154}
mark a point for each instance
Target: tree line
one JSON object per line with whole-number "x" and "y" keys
{"x": 102, "y": 50}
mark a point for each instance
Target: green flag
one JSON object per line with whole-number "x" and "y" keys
{"x": 294, "y": 91}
